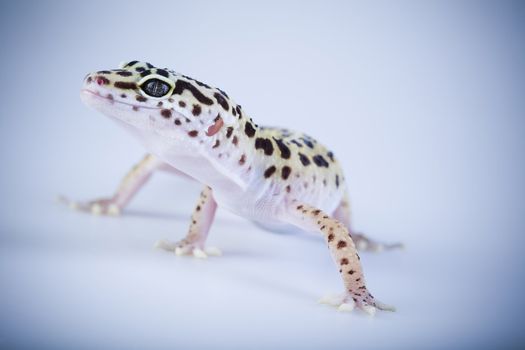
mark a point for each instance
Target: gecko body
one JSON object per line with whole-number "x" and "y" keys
{"x": 273, "y": 176}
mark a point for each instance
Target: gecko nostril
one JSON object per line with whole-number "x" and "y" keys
{"x": 102, "y": 80}
{"x": 89, "y": 80}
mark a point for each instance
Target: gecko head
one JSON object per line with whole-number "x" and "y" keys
{"x": 157, "y": 101}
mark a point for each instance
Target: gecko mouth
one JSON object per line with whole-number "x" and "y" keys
{"x": 110, "y": 99}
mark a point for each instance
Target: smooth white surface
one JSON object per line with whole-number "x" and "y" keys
{"x": 421, "y": 101}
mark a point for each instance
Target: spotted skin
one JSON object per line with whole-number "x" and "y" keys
{"x": 270, "y": 175}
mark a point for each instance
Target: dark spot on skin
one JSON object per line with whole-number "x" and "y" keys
{"x": 125, "y": 74}
{"x": 131, "y": 64}
{"x": 104, "y": 72}
{"x": 145, "y": 73}
{"x": 299, "y": 207}
{"x": 229, "y": 132}
{"x": 110, "y": 97}
{"x": 196, "y": 111}
{"x": 341, "y": 244}
{"x": 331, "y": 237}
{"x": 140, "y": 69}
{"x": 285, "y": 151}
{"x": 222, "y": 101}
{"x": 304, "y": 159}
{"x": 285, "y": 172}
{"x": 297, "y": 143}
{"x": 269, "y": 172}
{"x": 249, "y": 130}
{"x": 344, "y": 261}
{"x": 307, "y": 142}
{"x": 140, "y": 98}
{"x": 177, "y": 122}
{"x": 125, "y": 85}
{"x": 234, "y": 112}
{"x": 331, "y": 156}
{"x": 357, "y": 280}
{"x": 320, "y": 161}
{"x": 193, "y": 133}
{"x": 242, "y": 160}
{"x": 135, "y": 108}
{"x": 222, "y": 92}
{"x": 198, "y": 208}
{"x": 123, "y": 95}
{"x": 166, "y": 113}
{"x": 351, "y": 272}
{"x": 217, "y": 143}
{"x": 235, "y": 140}
{"x": 159, "y": 104}
{"x": 149, "y": 65}
{"x": 337, "y": 181}
{"x": 182, "y": 104}
{"x": 323, "y": 227}
{"x": 288, "y": 188}
{"x": 324, "y": 182}
{"x": 316, "y": 212}
{"x": 182, "y": 85}
{"x": 162, "y": 72}
{"x": 197, "y": 82}
{"x": 187, "y": 120}
{"x": 264, "y": 144}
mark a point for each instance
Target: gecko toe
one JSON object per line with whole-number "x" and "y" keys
{"x": 199, "y": 253}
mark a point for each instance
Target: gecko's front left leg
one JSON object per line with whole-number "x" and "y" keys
{"x": 201, "y": 221}
{"x": 344, "y": 254}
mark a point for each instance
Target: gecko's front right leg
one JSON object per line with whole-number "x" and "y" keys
{"x": 201, "y": 221}
{"x": 128, "y": 187}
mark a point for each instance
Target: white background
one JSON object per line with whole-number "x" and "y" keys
{"x": 421, "y": 101}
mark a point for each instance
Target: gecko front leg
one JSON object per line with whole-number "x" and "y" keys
{"x": 344, "y": 254}
{"x": 201, "y": 221}
{"x": 128, "y": 187}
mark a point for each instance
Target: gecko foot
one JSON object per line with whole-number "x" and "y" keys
{"x": 366, "y": 244}
{"x": 185, "y": 247}
{"x": 104, "y": 206}
{"x": 347, "y": 302}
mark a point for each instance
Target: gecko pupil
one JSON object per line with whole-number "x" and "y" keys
{"x": 155, "y": 87}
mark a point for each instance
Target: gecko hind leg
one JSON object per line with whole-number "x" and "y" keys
{"x": 363, "y": 243}
{"x": 344, "y": 254}
{"x": 129, "y": 186}
{"x": 201, "y": 221}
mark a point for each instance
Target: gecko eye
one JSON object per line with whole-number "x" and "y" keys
{"x": 155, "y": 87}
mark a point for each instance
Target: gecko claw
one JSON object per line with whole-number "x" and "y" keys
{"x": 184, "y": 248}
{"x": 213, "y": 251}
{"x": 346, "y": 307}
{"x": 199, "y": 253}
{"x": 106, "y": 206}
{"x": 346, "y": 303}
{"x": 332, "y": 299}
{"x": 96, "y": 209}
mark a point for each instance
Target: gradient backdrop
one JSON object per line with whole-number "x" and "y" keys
{"x": 422, "y": 101}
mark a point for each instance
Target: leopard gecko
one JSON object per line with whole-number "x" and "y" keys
{"x": 273, "y": 176}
